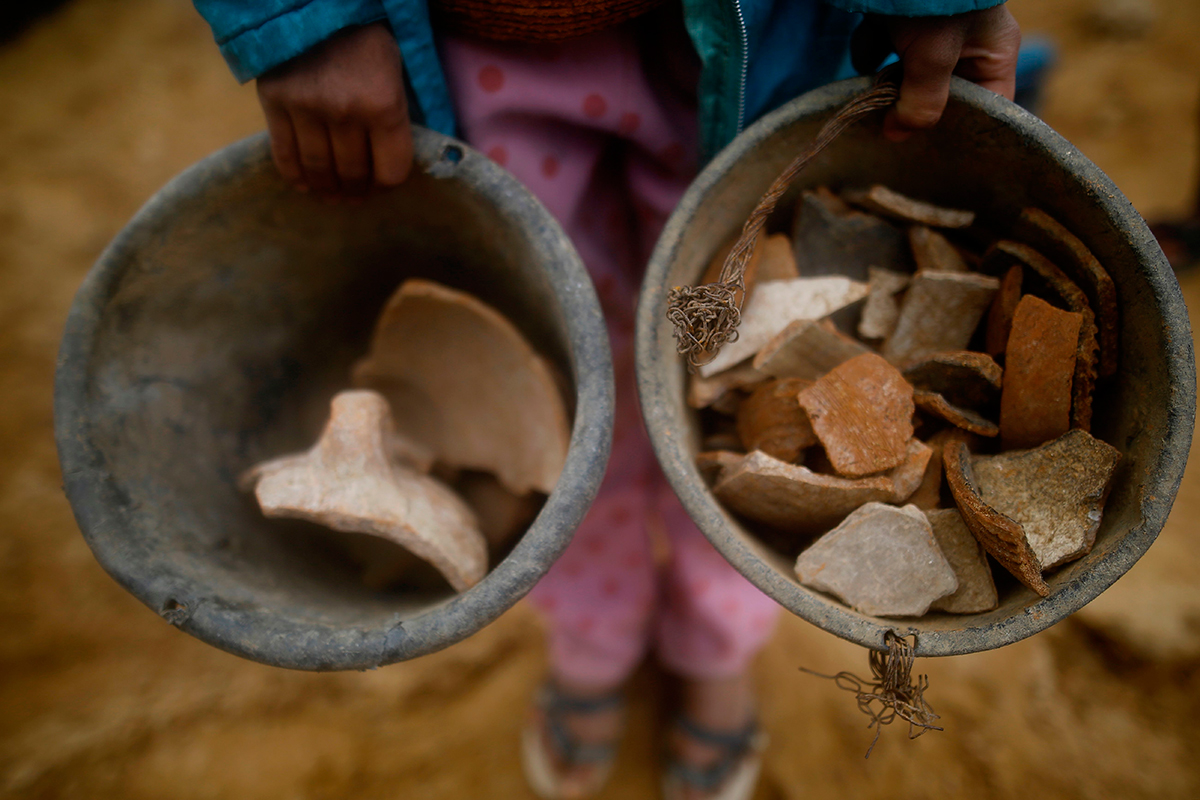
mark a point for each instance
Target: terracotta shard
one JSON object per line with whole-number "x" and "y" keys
{"x": 348, "y": 482}
{"x": 1000, "y": 535}
{"x": 929, "y": 494}
{"x": 963, "y": 377}
{"x": 796, "y": 499}
{"x": 776, "y": 304}
{"x": 1055, "y": 492}
{"x": 976, "y": 588}
{"x": 1035, "y": 405}
{"x": 862, "y": 413}
{"x": 807, "y": 349}
{"x": 771, "y": 420}
{"x": 832, "y": 238}
{"x": 881, "y": 312}
{"x": 933, "y": 251}
{"x": 882, "y": 200}
{"x": 778, "y": 261}
{"x": 937, "y": 405}
{"x": 502, "y": 515}
{"x": 703, "y": 392}
{"x": 1005, "y": 252}
{"x": 750, "y": 277}
{"x": 711, "y": 463}
{"x": 999, "y": 321}
{"x": 941, "y": 311}
{"x": 462, "y": 381}
{"x": 1049, "y": 236}
{"x": 881, "y": 560}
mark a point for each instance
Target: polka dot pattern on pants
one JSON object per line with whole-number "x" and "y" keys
{"x": 594, "y": 106}
{"x": 491, "y": 78}
{"x": 499, "y": 154}
{"x": 550, "y": 166}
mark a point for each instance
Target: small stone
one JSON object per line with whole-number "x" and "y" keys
{"x": 1055, "y": 492}
{"x": 964, "y": 418}
{"x": 778, "y": 261}
{"x": 833, "y": 239}
{"x": 776, "y": 304}
{"x": 1051, "y": 237}
{"x": 750, "y": 276}
{"x": 882, "y": 200}
{"x": 976, "y": 588}
{"x": 933, "y": 251}
{"x": 704, "y": 392}
{"x": 941, "y": 311}
{"x": 963, "y": 377}
{"x": 862, "y": 413}
{"x": 1000, "y": 535}
{"x": 881, "y": 312}
{"x": 881, "y": 560}
{"x": 771, "y": 420}
{"x": 808, "y": 349}
{"x": 801, "y": 501}
{"x": 1000, "y": 316}
{"x": 1035, "y": 404}
{"x": 348, "y": 482}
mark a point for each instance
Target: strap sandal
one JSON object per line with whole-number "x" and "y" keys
{"x": 548, "y": 745}
{"x": 732, "y": 776}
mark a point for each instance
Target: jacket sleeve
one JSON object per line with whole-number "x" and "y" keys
{"x": 256, "y": 35}
{"x": 913, "y": 8}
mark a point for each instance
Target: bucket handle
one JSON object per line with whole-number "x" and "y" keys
{"x": 706, "y": 317}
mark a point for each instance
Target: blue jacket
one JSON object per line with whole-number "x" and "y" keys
{"x": 756, "y": 54}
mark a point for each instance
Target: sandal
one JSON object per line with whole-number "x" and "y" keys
{"x": 547, "y": 743}
{"x": 735, "y": 773}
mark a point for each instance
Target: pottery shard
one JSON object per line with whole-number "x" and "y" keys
{"x": 1000, "y": 535}
{"x": 862, "y": 413}
{"x": 881, "y": 560}
{"x": 1049, "y": 236}
{"x": 933, "y": 251}
{"x": 712, "y": 463}
{"x": 976, "y": 588}
{"x": 348, "y": 482}
{"x": 964, "y": 418}
{"x": 831, "y": 238}
{"x": 882, "y": 200}
{"x": 1055, "y": 492}
{"x": 463, "y": 381}
{"x": 778, "y": 259}
{"x": 750, "y": 276}
{"x": 929, "y": 494}
{"x": 1006, "y": 252}
{"x": 704, "y": 392}
{"x": 1000, "y": 316}
{"x": 796, "y": 499}
{"x": 502, "y": 515}
{"x": 941, "y": 311}
{"x": 776, "y": 304}
{"x": 771, "y": 420}
{"x": 1035, "y": 405}
{"x": 881, "y": 312}
{"x": 808, "y": 349}
{"x": 963, "y": 377}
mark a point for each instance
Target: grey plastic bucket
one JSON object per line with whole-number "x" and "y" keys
{"x": 989, "y": 155}
{"x": 212, "y": 333}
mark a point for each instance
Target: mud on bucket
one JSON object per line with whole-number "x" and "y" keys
{"x": 990, "y": 156}
{"x": 211, "y": 335}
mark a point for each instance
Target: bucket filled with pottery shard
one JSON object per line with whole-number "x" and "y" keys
{"x": 334, "y": 437}
{"x": 961, "y": 394}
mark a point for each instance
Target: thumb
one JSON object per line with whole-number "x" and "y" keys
{"x": 929, "y": 60}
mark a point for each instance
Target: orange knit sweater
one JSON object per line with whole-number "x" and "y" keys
{"x": 534, "y": 20}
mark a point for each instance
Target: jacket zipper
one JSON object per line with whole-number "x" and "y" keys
{"x": 741, "y": 113}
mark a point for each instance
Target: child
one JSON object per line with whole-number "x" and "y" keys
{"x": 605, "y": 109}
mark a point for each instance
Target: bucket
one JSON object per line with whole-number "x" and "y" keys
{"x": 212, "y": 334}
{"x": 991, "y": 156}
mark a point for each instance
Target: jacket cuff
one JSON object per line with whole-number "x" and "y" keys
{"x": 251, "y": 51}
{"x": 913, "y": 8}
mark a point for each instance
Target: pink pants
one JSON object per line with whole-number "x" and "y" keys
{"x": 605, "y": 136}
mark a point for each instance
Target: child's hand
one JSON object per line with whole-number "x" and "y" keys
{"x": 980, "y": 46}
{"x": 337, "y": 114}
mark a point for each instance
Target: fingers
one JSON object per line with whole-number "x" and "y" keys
{"x": 929, "y": 60}
{"x": 351, "y": 157}
{"x": 316, "y": 152}
{"x": 392, "y": 148}
{"x": 284, "y": 150}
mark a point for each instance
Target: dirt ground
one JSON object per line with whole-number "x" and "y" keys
{"x": 99, "y": 697}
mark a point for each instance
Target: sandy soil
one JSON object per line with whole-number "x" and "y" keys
{"x": 105, "y": 101}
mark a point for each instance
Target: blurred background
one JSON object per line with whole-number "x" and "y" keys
{"x": 102, "y": 101}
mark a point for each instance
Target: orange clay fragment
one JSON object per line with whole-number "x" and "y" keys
{"x": 349, "y": 481}
{"x": 464, "y": 382}
{"x": 771, "y": 420}
{"x": 882, "y": 200}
